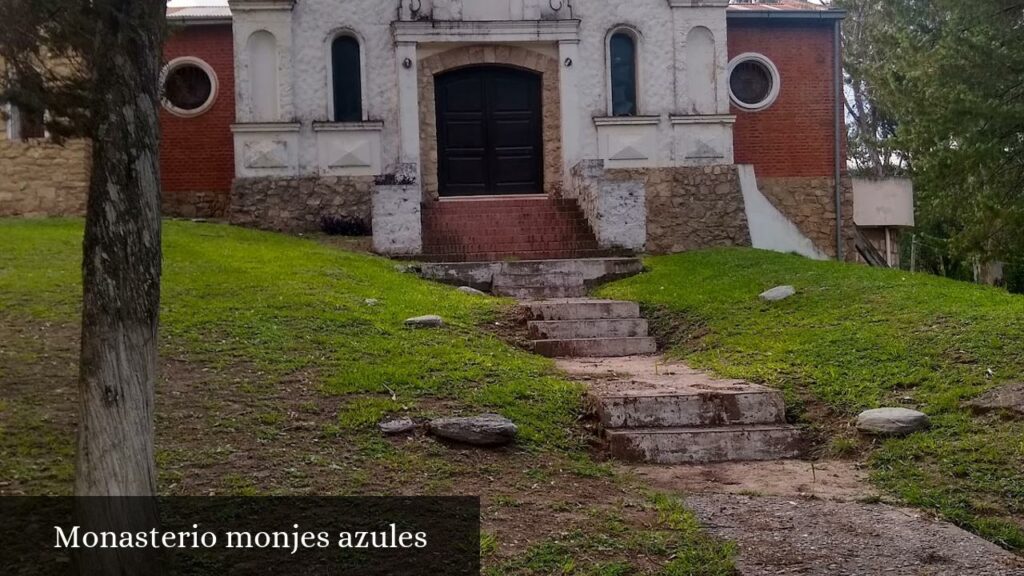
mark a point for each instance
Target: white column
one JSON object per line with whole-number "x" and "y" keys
{"x": 409, "y": 103}
{"x": 569, "y": 62}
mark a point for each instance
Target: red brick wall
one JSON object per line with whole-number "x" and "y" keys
{"x": 795, "y": 136}
{"x": 197, "y": 154}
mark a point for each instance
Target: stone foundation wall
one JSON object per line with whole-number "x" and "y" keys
{"x": 690, "y": 208}
{"x": 297, "y": 204}
{"x": 39, "y": 178}
{"x": 514, "y": 56}
{"x": 809, "y": 202}
{"x": 195, "y": 204}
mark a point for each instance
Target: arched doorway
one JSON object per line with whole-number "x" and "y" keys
{"x": 489, "y": 121}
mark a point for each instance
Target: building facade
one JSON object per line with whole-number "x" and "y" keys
{"x": 671, "y": 124}
{"x": 492, "y": 129}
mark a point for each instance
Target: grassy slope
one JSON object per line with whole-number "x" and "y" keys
{"x": 257, "y": 309}
{"x": 857, "y": 338}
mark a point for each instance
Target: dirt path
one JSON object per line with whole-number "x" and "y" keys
{"x": 779, "y": 535}
{"x": 799, "y": 517}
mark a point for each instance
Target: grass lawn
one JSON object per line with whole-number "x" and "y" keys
{"x": 279, "y": 357}
{"x": 856, "y": 338}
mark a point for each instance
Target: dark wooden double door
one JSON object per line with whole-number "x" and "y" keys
{"x": 489, "y": 132}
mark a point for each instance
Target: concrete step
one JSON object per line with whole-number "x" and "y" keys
{"x": 690, "y": 408}
{"x": 580, "y": 309}
{"x": 533, "y": 286}
{"x": 553, "y": 279}
{"x": 539, "y": 292}
{"x": 573, "y": 329}
{"x": 481, "y": 274}
{"x": 595, "y": 347}
{"x": 703, "y": 445}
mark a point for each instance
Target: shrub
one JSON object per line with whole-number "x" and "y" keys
{"x": 344, "y": 226}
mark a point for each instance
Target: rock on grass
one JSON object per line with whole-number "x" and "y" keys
{"x": 483, "y": 430}
{"x": 778, "y": 293}
{"x": 429, "y": 321}
{"x": 891, "y": 421}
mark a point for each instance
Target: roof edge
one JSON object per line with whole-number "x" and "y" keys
{"x": 786, "y": 14}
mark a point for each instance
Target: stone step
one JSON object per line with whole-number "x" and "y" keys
{"x": 703, "y": 445}
{"x": 602, "y": 328}
{"x": 692, "y": 408}
{"x": 539, "y": 292}
{"x": 595, "y": 347}
{"x": 555, "y": 279}
{"x": 480, "y": 275}
{"x": 580, "y": 309}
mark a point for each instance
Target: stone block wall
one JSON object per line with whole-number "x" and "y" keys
{"x": 513, "y": 56}
{"x": 297, "y": 204}
{"x": 614, "y": 207}
{"x": 39, "y": 178}
{"x": 809, "y": 202}
{"x": 690, "y": 208}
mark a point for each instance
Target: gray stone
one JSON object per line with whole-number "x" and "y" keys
{"x": 472, "y": 291}
{"x": 483, "y": 430}
{"x": 891, "y": 421}
{"x": 778, "y": 293}
{"x": 371, "y": 301}
{"x": 1008, "y": 400}
{"x": 429, "y": 321}
{"x": 398, "y": 426}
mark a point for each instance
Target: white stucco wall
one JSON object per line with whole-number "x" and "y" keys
{"x": 665, "y": 87}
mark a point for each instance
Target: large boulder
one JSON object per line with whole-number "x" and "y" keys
{"x": 1007, "y": 400}
{"x": 483, "y": 430}
{"x": 778, "y": 293}
{"x": 429, "y": 321}
{"x": 891, "y": 421}
{"x": 471, "y": 291}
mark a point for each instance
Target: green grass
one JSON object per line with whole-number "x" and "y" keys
{"x": 285, "y": 305}
{"x": 856, "y": 338}
{"x": 259, "y": 317}
{"x": 674, "y": 534}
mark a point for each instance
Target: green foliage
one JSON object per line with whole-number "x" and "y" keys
{"x": 855, "y": 338}
{"x": 949, "y": 75}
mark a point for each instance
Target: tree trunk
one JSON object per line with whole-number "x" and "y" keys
{"x": 121, "y": 278}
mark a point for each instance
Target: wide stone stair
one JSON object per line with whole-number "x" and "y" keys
{"x": 665, "y": 413}
{"x": 586, "y": 328}
{"x": 495, "y": 229}
{"x": 648, "y": 409}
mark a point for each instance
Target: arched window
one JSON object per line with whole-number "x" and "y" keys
{"x": 346, "y": 79}
{"x": 622, "y": 71}
{"x": 263, "y": 85}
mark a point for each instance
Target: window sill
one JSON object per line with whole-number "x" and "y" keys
{"x": 627, "y": 120}
{"x": 266, "y": 127}
{"x": 365, "y": 126}
{"x": 704, "y": 119}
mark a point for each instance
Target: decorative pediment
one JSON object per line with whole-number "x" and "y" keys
{"x": 353, "y": 154}
{"x": 266, "y": 154}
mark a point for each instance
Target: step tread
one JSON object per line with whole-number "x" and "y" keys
{"x": 728, "y": 429}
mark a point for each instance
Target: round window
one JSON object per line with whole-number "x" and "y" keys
{"x": 189, "y": 87}
{"x": 753, "y": 82}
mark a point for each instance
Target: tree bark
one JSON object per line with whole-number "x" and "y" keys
{"x": 121, "y": 279}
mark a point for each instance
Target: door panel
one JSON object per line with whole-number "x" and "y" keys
{"x": 489, "y": 132}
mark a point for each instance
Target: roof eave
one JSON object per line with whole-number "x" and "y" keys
{"x": 200, "y": 21}
{"x": 786, "y": 14}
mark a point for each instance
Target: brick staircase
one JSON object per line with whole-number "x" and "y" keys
{"x": 493, "y": 229}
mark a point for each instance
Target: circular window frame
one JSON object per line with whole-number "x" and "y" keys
{"x": 773, "y": 94}
{"x": 181, "y": 63}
